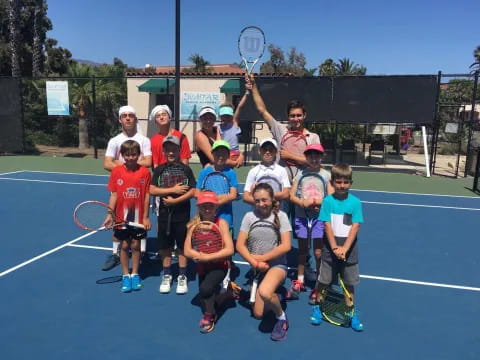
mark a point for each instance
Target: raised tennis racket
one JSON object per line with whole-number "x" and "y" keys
{"x": 294, "y": 142}
{"x": 90, "y": 215}
{"x": 263, "y": 237}
{"x": 251, "y": 46}
{"x": 311, "y": 186}
{"x": 334, "y": 308}
{"x": 272, "y": 181}
{"x": 172, "y": 175}
{"x": 217, "y": 182}
{"x": 207, "y": 238}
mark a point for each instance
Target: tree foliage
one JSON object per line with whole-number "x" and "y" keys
{"x": 34, "y": 49}
{"x": 294, "y": 62}
{"x": 343, "y": 66}
{"x": 476, "y": 64}
{"x": 200, "y": 65}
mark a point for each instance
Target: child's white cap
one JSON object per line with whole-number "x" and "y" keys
{"x": 269, "y": 140}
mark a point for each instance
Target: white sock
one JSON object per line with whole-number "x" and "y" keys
{"x": 143, "y": 245}
{"x": 115, "y": 246}
{"x": 283, "y": 316}
{"x": 301, "y": 278}
{"x": 126, "y": 275}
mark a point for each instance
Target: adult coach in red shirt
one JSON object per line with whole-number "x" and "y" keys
{"x": 162, "y": 115}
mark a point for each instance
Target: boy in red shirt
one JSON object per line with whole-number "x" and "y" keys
{"x": 129, "y": 185}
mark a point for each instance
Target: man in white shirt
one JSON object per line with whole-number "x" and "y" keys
{"x": 128, "y": 118}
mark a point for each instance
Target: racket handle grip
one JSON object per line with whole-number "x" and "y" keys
{"x": 135, "y": 224}
{"x": 253, "y": 291}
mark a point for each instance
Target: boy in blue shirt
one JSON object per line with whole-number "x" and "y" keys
{"x": 342, "y": 214}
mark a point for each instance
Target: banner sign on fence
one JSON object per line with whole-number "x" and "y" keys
{"x": 193, "y": 101}
{"x": 57, "y": 98}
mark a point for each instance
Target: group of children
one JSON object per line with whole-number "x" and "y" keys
{"x": 128, "y": 156}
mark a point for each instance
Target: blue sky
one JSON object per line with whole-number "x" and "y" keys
{"x": 403, "y": 37}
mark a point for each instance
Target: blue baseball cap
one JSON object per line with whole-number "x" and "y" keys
{"x": 226, "y": 110}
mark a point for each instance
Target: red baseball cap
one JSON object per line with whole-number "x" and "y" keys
{"x": 207, "y": 197}
{"x": 314, "y": 147}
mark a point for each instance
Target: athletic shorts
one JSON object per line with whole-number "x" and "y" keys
{"x": 178, "y": 232}
{"x": 300, "y": 228}
{"x": 129, "y": 234}
{"x": 328, "y": 270}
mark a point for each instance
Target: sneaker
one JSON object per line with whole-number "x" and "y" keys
{"x": 126, "y": 284}
{"x": 182, "y": 287}
{"x": 111, "y": 261}
{"x": 136, "y": 282}
{"x": 165, "y": 285}
{"x": 312, "y": 300}
{"x": 316, "y": 317}
{"x": 295, "y": 290}
{"x": 355, "y": 322}
{"x": 207, "y": 323}
{"x": 279, "y": 332}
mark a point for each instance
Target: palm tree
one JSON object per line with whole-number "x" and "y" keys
{"x": 476, "y": 54}
{"x": 14, "y": 23}
{"x": 200, "y": 64}
{"x": 37, "y": 38}
{"x": 81, "y": 98}
{"x": 347, "y": 67}
{"x": 327, "y": 68}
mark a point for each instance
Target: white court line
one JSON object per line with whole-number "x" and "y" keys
{"x": 405, "y": 281}
{"x": 419, "y": 194}
{"x": 52, "y": 182}
{"x": 58, "y": 172}
{"x": 46, "y": 253}
{"x": 420, "y": 283}
{"x": 420, "y": 205}
{"x": 12, "y": 172}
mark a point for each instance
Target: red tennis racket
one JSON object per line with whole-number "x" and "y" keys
{"x": 207, "y": 238}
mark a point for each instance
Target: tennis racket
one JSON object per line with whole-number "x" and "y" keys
{"x": 263, "y": 237}
{"x": 90, "y": 215}
{"x": 311, "y": 186}
{"x": 207, "y": 238}
{"x": 251, "y": 46}
{"x": 272, "y": 181}
{"x": 334, "y": 308}
{"x": 172, "y": 175}
{"x": 295, "y": 142}
{"x": 217, "y": 182}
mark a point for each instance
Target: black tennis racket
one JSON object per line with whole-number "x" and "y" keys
{"x": 171, "y": 175}
{"x": 311, "y": 186}
{"x": 334, "y": 308}
{"x": 90, "y": 215}
{"x": 263, "y": 237}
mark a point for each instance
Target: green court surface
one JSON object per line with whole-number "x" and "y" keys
{"x": 364, "y": 180}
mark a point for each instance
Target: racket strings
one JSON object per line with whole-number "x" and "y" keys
{"x": 216, "y": 183}
{"x": 91, "y": 215}
{"x": 171, "y": 176}
{"x": 311, "y": 187}
{"x": 262, "y": 238}
{"x": 251, "y": 43}
{"x": 294, "y": 143}
{"x": 275, "y": 184}
{"x": 207, "y": 239}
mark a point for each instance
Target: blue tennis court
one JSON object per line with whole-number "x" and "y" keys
{"x": 418, "y": 296}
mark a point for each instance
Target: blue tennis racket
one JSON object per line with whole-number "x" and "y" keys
{"x": 217, "y": 182}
